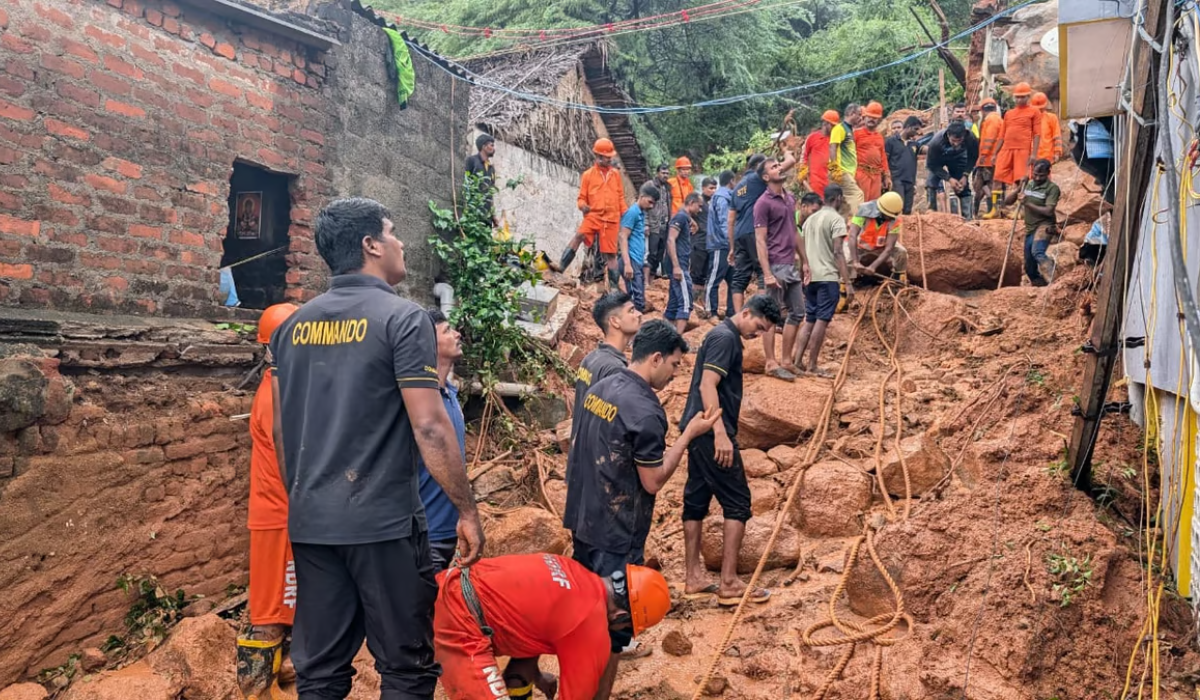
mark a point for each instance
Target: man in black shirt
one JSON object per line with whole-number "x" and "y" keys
{"x": 698, "y": 265}
{"x": 949, "y": 162}
{"x": 714, "y": 461}
{"x": 617, "y": 318}
{"x": 357, "y": 398}
{"x": 480, "y": 167}
{"x": 620, "y": 460}
{"x": 901, "y": 152}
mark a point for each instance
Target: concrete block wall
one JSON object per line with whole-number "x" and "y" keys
{"x": 119, "y": 125}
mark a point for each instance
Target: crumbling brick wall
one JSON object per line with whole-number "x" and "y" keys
{"x": 119, "y": 125}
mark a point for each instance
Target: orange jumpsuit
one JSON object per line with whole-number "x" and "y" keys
{"x": 1051, "y": 145}
{"x": 536, "y": 604}
{"x": 872, "y": 163}
{"x": 1021, "y": 127}
{"x": 681, "y": 187}
{"x": 989, "y": 139}
{"x": 272, "y": 597}
{"x": 816, "y": 156}
{"x": 602, "y": 190}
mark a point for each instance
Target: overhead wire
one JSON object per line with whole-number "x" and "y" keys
{"x": 483, "y": 82}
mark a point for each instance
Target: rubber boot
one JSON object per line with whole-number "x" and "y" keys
{"x": 843, "y": 300}
{"x": 994, "y": 210}
{"x": 567, "y": 257}
{"x": 258, "y": 663}
{"x": 614, "y": 280}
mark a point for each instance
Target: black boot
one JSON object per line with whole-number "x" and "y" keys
{"x": 567, "y": 257}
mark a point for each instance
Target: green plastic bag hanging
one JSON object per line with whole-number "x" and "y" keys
{"x": 406, "y": 79}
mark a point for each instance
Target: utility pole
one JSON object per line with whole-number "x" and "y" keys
{"x": 1133, "y": 179}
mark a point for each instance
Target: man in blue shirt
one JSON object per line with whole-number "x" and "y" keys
{"x": 633, "y": 244}
{"x": 719, "y": 244}
{"x": 440, "y": 513}
{"x": 679, "y": 248}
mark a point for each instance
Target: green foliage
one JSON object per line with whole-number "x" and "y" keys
{"x": 241, "y": 328}
{"x": 1034, "y": 376}
{"x": 725, "y": 159}
{"x": 772, "y": 46}
{"x": 1072, "y": 575}
{"x": 65, "y": 671}
{"x": 153, "y": 612}
{"x": 486, "y": 274}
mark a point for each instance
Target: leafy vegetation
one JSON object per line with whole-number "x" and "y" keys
{"x": 1072, "y": 575}
{"x": 772, "y": 46}
{"x": 487, "y": 274}
{"x": 151, "y": 615}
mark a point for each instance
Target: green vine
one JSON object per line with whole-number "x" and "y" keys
{"x": 487, "y": 273}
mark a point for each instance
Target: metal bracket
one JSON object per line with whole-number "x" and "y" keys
{"x": 1142, "y": 121}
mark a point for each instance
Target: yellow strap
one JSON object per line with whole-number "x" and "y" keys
{"x": 525, "y": 692}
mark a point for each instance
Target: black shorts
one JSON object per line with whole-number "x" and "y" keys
{"x": 706, "y": 479}
{"x": 745, "y": 264}
{"x": 602, "y": 563}
{"x": 821, "y": 300}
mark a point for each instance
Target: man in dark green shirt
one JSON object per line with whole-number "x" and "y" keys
{"x": 1038, "y": 198}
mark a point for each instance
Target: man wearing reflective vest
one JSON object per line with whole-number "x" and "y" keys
{"x": 843, "y": 156}
{"x": 989, "y": 140}
{"x": 874, "y": 231}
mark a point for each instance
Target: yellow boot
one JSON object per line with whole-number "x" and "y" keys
{"x": 994, "y": 210}
{"x": 843, "y": 300}
{"x": 258, "y": 663}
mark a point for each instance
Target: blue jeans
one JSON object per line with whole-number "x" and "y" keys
{"x": 679, "y": 299}
{"x": 1036, "y": 259}
{"x": 719, "y": 271}
{"x": 636, "y": 287}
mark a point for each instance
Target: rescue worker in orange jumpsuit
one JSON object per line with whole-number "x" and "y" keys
{"x": 1020, "y": 137}
{"x": 814, "y": 160}
{"x": 526, "y": 605}
{"x": 873, "y": 174}
{"x": 681, "y": 184}
{"x": 602, "y": 202}
{"x": 1051, "y": 146}
{"x": 272, "y": 594}
{"x": 989, "y": 139}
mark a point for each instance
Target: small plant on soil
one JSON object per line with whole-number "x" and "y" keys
{"x": 1072, "y": 575}
{"x": 153, "y": 612}
{"x": 62, "y": 675}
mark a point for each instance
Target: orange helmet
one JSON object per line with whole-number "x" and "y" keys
{"x": 682, "y": 162}
{"x": 1040, "y": 100}
{"x": 649, "y": 597}
{"x": 1022, "y": 90}
{"x": 873, "y": 110}
{"x": 831, "y": 117}
{"x": 272, "y": 318}
{"x": 604, "y": 147}
{"x": 987, "y": 102}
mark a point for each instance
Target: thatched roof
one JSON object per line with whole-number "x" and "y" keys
{"x": 560, "y": 135}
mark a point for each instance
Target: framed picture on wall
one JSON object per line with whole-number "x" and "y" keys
{"x": 248, "y": 223}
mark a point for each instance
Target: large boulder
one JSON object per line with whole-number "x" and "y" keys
{"x": 960, "y": 255}
{"x": 525, "y": 531}
{"x": 866, "y": 589}
{"x": 757, "y": 464}
{"x": 785, "y": 553}
{"x": 927, "y": 465}
{"x": 764, "y": 496}
{"x": 775, "y": 412}
{"x": 1080, "y": 199}
{"x": 31, "y": 391}
{"x": 24, "y": 691}
{"x": 784, "y": 456}
{"x": 831, "y": 500}
{"x": 1028, "y": 61}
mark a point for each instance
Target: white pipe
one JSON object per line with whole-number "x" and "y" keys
{"x": 445, "y": 296}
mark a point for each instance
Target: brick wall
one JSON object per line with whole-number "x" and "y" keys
{"x": 119, "y": 125}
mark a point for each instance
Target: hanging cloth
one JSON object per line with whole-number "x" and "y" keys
{"x": 406, "y": 79}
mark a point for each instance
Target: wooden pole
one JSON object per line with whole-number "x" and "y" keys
{"x": 1133, "y": 180}
{"x": 942, "y": 117}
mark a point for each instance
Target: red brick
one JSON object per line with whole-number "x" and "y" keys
{"x": 126, "y": 109}
{"x": 190, "y": 73}
{"x": 12, "y": 43}
{"x": 11, "y": 202}
{"x": 59, "y": 194}
{"x": 19, "y": 68}
{"x": 11, "y": 87}
{"x": 124, "y": 167}
{"x": 81, "y": 50}
{"x": 116, "y": 41}
{"x": 111, "y": 84}
{"x": 163, "y": 43}
{"x": 191, "y": 114}
{"x": 171, "y": 9}
{"x": 313, "y": 136}
{"x": 3, "y": 19}
{"x": 138, "y": 266}
{"x": 171, "y": 25}
{"x": 140, "y": 231}
{"x": 317, "y": 70}
{"x": 147, "y": 56}
{"x": 299, "y": 76}
{"x": 116, "y": 244}
{"x": 298, "y": 61}
{"x": 224, "y": 87}
{"x": 118, "y": 283}
{"x": 123, "y": 67}
{"x": 108, "y": 184}
{"x": 19, "y": 227}
{"x": 83, "y": 96}
{"x": 154, "y": 17}
{"x": 9, "y": 110}
{"x": 225, "y": 50}
{"x": 283, "y": 70}
{"x": 100, "y": 262}
{"x": 8, "y": 156}
{"x": 61, "y": 65}
{"x": 208, "y": 40}
{"x": 20, "y": 272}
{"x": 65, "y": 130}
{"x": 201, "y": 98}
{"x": 187, "y": 238}
{"x": 55, "y": 15}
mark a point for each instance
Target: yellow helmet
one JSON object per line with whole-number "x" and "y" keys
{"x": 890, "y": 204}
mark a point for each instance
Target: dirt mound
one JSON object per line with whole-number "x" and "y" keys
{"x": 23, "y": 691}
{"x": 960, "y": 255}
{"x": 525, "y": 531}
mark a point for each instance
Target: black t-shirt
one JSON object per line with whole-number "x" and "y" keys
{"x": 683, "y": 241}
{"x": 348, "y": 443}
{"x": 745, "y": 196}
{"x": 599, "y": 363}
{"x": 486, "y": 172}
{"x": 902, "y": 159}
{"x": 721, "y": 352}
{"x": 622, "y": 428}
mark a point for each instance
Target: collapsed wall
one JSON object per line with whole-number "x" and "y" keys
{"x": 117, "y": 456}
